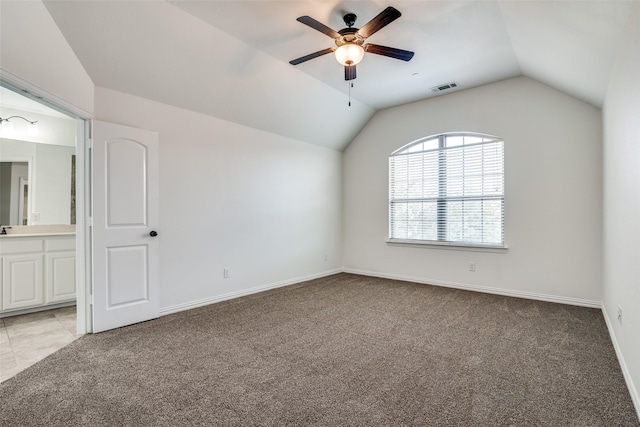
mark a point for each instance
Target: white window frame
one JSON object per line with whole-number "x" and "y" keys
{"x": 441, "y": 239}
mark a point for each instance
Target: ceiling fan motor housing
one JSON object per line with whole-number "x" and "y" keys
{"x": 349, "y": 35}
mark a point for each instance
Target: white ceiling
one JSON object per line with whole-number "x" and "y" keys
{"x": 230, "y": 59}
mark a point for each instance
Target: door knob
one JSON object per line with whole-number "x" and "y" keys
{"x": 153, "y": 233}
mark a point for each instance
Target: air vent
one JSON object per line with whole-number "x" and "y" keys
{"x": 445, "y": 86}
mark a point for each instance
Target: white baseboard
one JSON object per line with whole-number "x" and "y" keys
{"x": 37, "y": 309}
{"x": 231, "y": 295}
{"x": 633, "y": 391}
{"x": 485, "y": 289}
{"x": 498, "y": 291}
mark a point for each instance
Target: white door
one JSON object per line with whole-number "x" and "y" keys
{"x": 125, "y": 220}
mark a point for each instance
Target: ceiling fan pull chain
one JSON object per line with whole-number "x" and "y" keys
{"x": 350, "y": 86}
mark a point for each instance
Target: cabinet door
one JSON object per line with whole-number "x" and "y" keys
{"x": 22, "y": 284}
{"x": 60, "y": 277}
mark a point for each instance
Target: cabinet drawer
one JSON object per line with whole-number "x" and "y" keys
{"x": 66, "y": 244}
{"x": 20, "y": 246}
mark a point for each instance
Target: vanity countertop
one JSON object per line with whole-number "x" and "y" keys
{"x": 18, "y": 231}
{"x": 17, "y": 235}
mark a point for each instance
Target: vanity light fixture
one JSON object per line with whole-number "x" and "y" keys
{"x": 7, "y": 126}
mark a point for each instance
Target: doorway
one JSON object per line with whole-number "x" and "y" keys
{"x": 51, "y": 206}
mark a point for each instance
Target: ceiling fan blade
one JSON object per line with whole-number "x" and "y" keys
{"x": 307, "y": 20}
{"x": 349, "y": 72}
{"x": 311, "y": 56}
{"x": 391, "y": 52}
{"x": 383, "y": 19}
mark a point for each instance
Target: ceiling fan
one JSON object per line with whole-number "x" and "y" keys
{"x": 350, "y": 47}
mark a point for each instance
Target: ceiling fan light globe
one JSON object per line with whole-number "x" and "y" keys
{"x": 349, "y": 54}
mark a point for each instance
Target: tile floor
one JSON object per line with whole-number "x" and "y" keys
{"x": 28, "y": 338}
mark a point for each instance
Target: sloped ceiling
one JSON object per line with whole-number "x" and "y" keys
{"x": 230, "y": 59}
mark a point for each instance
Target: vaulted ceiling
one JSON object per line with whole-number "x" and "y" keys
{"x": 229, "y": 59}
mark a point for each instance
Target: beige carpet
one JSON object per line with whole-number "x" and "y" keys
{"x": 344, "y": 350}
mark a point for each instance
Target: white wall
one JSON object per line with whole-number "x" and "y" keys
{"x": 264, "y": 206}
{"x": 34, "y": 50}
{"x": 553, "y": 193}
{"x": 622, "y": 204}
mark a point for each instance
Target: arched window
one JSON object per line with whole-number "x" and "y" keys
{"x": 448, "y": 189}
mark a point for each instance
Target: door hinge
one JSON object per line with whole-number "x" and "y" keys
{"x": 90, "y": 221}
{"x": 91, "y": 299}
{"x": 89, "y": 143}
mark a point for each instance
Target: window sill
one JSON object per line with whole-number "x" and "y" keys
{"x": 448, "y": 246}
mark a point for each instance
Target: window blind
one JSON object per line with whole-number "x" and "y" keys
{"x": 448, "y": 189}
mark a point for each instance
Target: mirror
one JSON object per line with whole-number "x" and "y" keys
{"x": 37, "y": 183}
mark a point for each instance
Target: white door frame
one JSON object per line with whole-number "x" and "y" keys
{"x": 83, "y": 188}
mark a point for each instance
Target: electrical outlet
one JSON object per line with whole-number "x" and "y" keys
{"x": 620, "y": 315}
{"x": 225, "y": 273}
{"x": 472, "y": 266}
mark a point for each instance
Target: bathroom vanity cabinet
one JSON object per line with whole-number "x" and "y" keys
{"x": 36, "y": 271}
